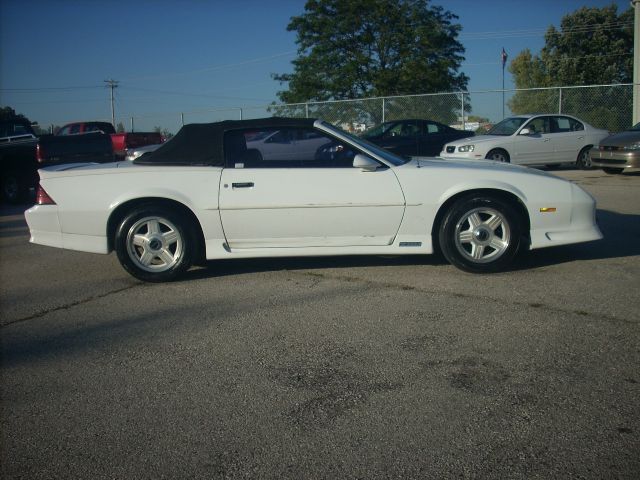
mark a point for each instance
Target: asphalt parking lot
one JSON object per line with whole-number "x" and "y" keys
{"x": 358, "y": 367}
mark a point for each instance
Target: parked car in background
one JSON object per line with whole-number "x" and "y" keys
{"x": 17, "y": 160}
{"x": 544, "y": 139}
{"x": 22, "y": 153}
{"x": 417, "y": 138}
{"x": 207, "y": 195}
{"x": 121, "y": 141}
{"x": 618, "y": 152}
{"x": 90, "y": 147}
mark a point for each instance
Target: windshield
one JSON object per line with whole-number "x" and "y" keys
{"x": 508, "y": 126}
{"x": 381, "y": 152}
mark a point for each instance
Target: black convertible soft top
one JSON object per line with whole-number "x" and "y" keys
{"x": 202, "y": 143}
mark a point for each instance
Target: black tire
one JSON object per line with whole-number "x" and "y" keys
{"x": 155, "y": 244}
{"x": 14, "y": 188}
{"x": 583, "y": 162}
{"x": 498, "y": 155}
{"x": 612, "y": 171}
{"x": 480, "y": 234}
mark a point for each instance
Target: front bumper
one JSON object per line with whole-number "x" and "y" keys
{"x": 615, "y": 158}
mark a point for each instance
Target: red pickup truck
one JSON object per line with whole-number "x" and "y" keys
{"x": 121, "y": 141}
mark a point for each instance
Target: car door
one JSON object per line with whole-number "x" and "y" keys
{"x": 568, "y": 138}
{"x": 535, "y": 147}
{"x": 316, "y": 200}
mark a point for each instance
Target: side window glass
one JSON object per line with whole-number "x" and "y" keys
{"x": 432, "y": 128}
{"x": 285, "y": 148}
{"x": 539, "y": 125}
{"x": 74, "y": 129}
{"x": 403, "y": 129}
{"x": 561, "y": 124}
{"x": 576, "y": 126}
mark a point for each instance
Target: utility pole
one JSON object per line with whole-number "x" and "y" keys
{"x": 636, "y": 62}
{"x": 112, "y": 84}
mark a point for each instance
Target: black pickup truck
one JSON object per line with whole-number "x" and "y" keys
{"x": 22, "y": 153}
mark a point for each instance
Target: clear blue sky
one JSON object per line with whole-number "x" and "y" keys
{"x": 195, "y": 55}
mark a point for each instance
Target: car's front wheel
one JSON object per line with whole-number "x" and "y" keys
{"x": 155, "y": 244}
{"x": 480, "y": 234}
{"x": 498, "y": 155}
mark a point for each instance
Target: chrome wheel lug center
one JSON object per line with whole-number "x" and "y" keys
{"x": 155, "y": 244}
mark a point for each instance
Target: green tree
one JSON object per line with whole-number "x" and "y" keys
{"x": 163, "y": 131}
{"x": 9, "y": 114}
{"x": 120, "y": 128}
{"x": 350, "y": 49}
{"x": 592, "y": 47}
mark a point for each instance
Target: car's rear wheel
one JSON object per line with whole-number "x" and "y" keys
{"x": 14, "y": 187}
{"x": 583, "y": 162}
{"x": 480, "y": 234}
{"x": 498, "y": 155}
{"x": 612, "y": 171}
{"x": 155, "y": 244}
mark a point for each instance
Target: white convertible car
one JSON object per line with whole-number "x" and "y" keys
{"x": 532, "y": 140}
{"x": 206, "y": 195}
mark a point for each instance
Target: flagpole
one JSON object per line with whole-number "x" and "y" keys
{"x": 503, "y": 57}
{"x": 503, "y": 91}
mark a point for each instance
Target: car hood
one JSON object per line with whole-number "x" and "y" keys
{"x": 479, "y": 139}
{"x": 621, "y": 139}
{"x": 484, "y": 166}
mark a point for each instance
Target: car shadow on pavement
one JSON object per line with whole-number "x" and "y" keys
{"x": 221, "y": 268}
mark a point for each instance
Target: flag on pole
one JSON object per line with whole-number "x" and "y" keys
{"x": 504, "y": 58}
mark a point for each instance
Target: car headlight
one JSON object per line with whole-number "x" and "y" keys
{"x": 466, "y": 148}
{"x": 634, "y": 146}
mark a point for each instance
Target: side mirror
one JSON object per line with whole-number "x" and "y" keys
{"x": 525, "y": 131}
{"x": 364, "y": 163}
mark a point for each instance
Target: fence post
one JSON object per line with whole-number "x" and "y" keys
{"x": 306, "y": 110}
{"x": 560, "y": 100}
{"x": 464, "y": 124}
{"x": 240, "y": 113}
{"x": 383, "y": 110}
{"x": 132, "y": 124}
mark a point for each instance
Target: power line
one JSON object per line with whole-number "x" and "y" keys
{"x": 215, "y": 67}
{"x": 50, "y": 89}
{"x": 538, "y": 32}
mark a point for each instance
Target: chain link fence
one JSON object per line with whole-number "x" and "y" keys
{"x": 603, "y": 106}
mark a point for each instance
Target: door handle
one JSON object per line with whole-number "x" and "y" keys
{"x": 546, "y": 139}
{"x": 242, "y": 185}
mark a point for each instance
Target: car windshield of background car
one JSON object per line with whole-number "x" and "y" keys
{"x": 507, "y": 127}
{"x": 386, "y": 154}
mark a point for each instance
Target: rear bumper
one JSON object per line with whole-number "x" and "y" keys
{"x": 615, "y": 158}
{"x": 45, "y": 229}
